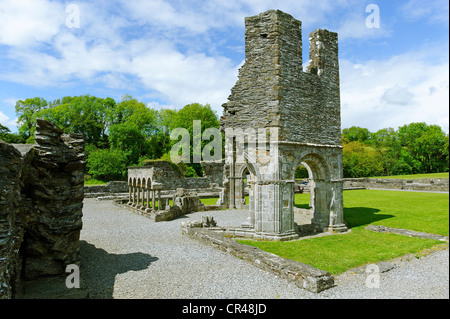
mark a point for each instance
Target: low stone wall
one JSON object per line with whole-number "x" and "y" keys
{"x": 120, "y": 189}
{"x": 426, "y": 184}
{"x": 302, "y": 275}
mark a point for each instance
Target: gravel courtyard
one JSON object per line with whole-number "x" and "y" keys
{"x": 125, "y": 256}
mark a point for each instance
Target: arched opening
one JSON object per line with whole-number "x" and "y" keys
{"x": 311, "y": 175}
{"x": 303, "y": 194}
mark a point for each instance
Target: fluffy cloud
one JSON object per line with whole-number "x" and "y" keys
{"x": 390, "y": 93}
{"x": 171, "y": 52}
{"x": 27, "y": 22}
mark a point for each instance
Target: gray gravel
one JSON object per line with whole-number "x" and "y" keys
{"x": 125, "y": 255}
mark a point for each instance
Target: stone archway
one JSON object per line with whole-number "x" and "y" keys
{"x": 298, "y": 111}
{"x": 326, "y": 191}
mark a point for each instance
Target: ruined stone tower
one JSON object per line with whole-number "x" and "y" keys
{"x": 279, "y": 117}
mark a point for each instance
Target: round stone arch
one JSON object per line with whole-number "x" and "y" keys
{"x": 315, "y": 164}
{"x": 320, "y": 185}
{"x": 240, "y": 168}
{"x": 250, "y": 165}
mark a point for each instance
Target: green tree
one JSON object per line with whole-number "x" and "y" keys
{"x": 360, "y": 160}
{"x": 85, "y": 114}
{"x": 424, "y": 142}
{"x": 185, "y": 119}
{"x": 26, "y": 112}
{"x": 8, "y": 137}
{"x": 105, "y": 164}
{"x": 356, "y": 133}
{"x": 128, "y": 138}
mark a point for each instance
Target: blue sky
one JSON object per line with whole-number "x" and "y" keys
{"x": 171, "y": 53}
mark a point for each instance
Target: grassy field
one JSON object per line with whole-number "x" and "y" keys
{"x": 93, "y": 181}
{"x": 425, "y": 212}
{"x": 416, "y": 176}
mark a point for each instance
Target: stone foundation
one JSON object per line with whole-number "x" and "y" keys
{"x": 425, "y": 184}
{"x": 302, "y": 275}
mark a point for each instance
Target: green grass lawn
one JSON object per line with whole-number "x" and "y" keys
{"x": 416, "y": 176}
{"x": 92, "y": 181}
{"x": 427, "y": 212}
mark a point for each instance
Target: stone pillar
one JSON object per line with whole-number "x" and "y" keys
{"x": 239, "y": 192}
{"x": 321, "y": 213}
{"x": 134, "y": 195}
{"x": 159, "y": 200}
{"x": 336, "y": 205}
{"x": 250, "y": 222}
{"x": 129, "y": 194}
{"x": 157, "y": 188}
{"x": 138, "y": 203}
{"x": 153, "y": 199}
{"x": 274, "y": 211}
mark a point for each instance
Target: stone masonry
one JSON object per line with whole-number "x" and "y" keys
{"x": 41, "y": 201}
{"x": 278, "y": 117}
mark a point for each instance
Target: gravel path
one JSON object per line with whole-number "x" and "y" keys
{"x": 125, "y": 255}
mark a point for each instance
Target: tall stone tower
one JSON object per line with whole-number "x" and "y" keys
{"x": 279, "y": 117}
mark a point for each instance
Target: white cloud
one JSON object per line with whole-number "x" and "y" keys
{"x": 27, "y": 22}
{"x": 390, "y": 93}
{"x": 435, "y": 11}
{"x": 397, "y": 95}
{"x": 8, "y": 122}
{"x": 134, "y": 45}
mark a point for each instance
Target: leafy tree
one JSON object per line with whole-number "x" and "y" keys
{"x": 85, "y": 114}
{"x": 105, "y": 164}
{"x": 185, "y": 119}
{"x": 8, "y": 137}
{"x": 360, "y": 160}
{"x": 128, "y": 138}
{"x": 356, "y": 133}
{"x": 424, "y": 142}
{"x": 27, "y": 112}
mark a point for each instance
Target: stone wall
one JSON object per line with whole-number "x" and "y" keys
{"x": 41, "y": 205}
{"x": 171, "y": 179}
{"x": 426, "y": 184}
{"x": 297, "y": 113}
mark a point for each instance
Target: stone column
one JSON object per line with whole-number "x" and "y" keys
{"x": 157, "y": 188}
{"x": 239, "y": 192}
{"x": 159, "y": 200}
{"x": 336, "y": 207}
{"x": 250, "y": 222}
{"x": 153, "y": 199}
{"x": 274, "y": 217}
{"x": 134, "y": 196}
{"x": 130, "y": 202}
{"x": 138, "y": 205}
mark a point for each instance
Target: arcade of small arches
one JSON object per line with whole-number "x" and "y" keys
{"x": 145, "y": 195}
{"x": 271, "y": 201}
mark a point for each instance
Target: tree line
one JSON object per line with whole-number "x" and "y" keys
{"x": 415, "y": 148}
{"x": 125, "y": 133}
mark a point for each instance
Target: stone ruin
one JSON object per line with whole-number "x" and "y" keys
{"x": 41, "y": 202}
{"x": 147, "y": 183}
{"x": 279, "y": 117}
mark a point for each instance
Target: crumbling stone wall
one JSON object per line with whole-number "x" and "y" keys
{"x": 424, "y": 184}
{"x": 41, "y": 203}
{"x": 297, "y": 113}
{"x": 168, "y": 175}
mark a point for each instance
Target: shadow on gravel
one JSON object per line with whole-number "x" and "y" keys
{"x": 99, "y": 268}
